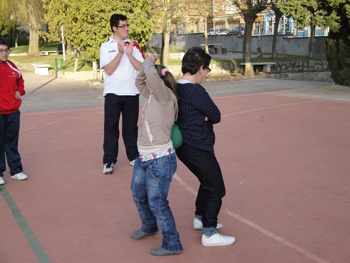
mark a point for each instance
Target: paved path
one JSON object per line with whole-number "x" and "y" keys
{"x": 45, "y": 93}
{"x": 283, "y": 147}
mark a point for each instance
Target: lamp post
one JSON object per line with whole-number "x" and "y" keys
{"x": 63, "y": 49}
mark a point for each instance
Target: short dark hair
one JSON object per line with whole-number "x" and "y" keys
{"x": 3, "y": 42}
{"x": 115, "y": 20}
{"x": 194, "y": 58}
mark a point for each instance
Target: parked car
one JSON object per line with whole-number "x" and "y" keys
{"x": 223, "y": 31}
{"x": 214, "y": 31}
{"x": 218, "y": 31}
{"x": 236, "y": 30}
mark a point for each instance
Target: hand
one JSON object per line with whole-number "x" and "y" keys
{"x": 129, "y": 48}
{"x": 154, "y": 56}
{"x": 17, "y": 95}
{"x": 206, "y": 118}
{"x": 121, "y": 47}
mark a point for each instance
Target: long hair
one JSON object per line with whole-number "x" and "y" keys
{"x": 168, "y": 79}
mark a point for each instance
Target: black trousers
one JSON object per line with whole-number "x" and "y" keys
{"x": 206, "y": 168}
{"x": 9, "y": 133}
{"x": 128, "y": 107}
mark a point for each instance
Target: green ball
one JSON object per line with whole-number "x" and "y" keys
{"x": 176, "y": 136}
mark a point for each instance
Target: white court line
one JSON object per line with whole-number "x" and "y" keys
{"x": 309, "y": 97}
{"x": 246, "y": 221}
{"x": 29, "y": 129}
{"x": 257, "y": 227}
{"x": 264, "y": 108}
{"x": 48, "y": 123}
{"x": 57, "y": 111}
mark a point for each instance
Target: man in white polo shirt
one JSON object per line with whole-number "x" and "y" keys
{"x": 120, "y": 58}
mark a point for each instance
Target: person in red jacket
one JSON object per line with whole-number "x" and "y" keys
{"x": 11, "y": 90}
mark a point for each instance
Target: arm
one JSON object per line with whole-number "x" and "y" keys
{"x": 20, "y": 86}
{"x": 112, "y": 66}
{"x": 134, "y": 62}
{"x": 161, "y": 92}
{"x": 140, "y": 83}
{"x": 203, "y": 102}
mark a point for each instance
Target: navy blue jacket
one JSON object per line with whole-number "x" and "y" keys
{"x": 194, "y": 105}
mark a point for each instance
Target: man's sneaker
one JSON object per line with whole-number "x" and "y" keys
{"x": 1, "y": 181}
{"x": 217, "y": 240}
{"x": 132, "y": 163}
{"x": 19, "y": 176}
{"x": 197, "y": 224}
{"x": 108, "y": 168}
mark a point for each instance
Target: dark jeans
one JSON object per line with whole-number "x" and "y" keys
{"x": 9, "y": 130}
{"x": 128, "y": 106}
{"x": 205, "y": 167}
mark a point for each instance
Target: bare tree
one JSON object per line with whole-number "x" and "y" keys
{"x": 278, "y": 15}
{"x": 249, "y": 10}
{"x": 178, "y": 15}
{"x": 31, "y": 12}
{"x": 204, "y": 9}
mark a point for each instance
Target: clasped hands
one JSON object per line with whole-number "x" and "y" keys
{"x": 128, "y": 47}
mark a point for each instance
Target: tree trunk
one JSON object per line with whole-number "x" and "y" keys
{"x": 248, "y": 38}
{"x": 278, "y": 15}
{"x": 16, "y": 40}
{"x": 244, "y": 40}
{"x": 94, "y": 69}
{"x": 144, "y": 49}
{"x": 312, "y": 35}
{"x": 34, "y": 26}
{"x": 69, "y": 48}
{"x": 175, "y": 36}
{"x": 165, "y": 39}
{"x": 76, "y": 60}
{"x": 33, "y": 49}
{"x": 149, "y": 45}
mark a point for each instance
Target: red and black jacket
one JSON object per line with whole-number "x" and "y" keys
{"x": 10, "y": 81}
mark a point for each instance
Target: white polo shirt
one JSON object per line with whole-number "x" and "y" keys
{"x": 122, "y": 80}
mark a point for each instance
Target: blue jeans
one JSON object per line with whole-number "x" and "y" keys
{"x": 150, "y": 186}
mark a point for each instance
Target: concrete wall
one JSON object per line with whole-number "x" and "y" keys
{"x": 234, "y": 43}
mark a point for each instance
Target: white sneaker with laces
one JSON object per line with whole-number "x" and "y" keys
{"x": 1, "y": 181}
{"x": 217, "y": 240}
{"x": 19, "y": 176}
{"x": 108, "y": 168}
{"x": 197, "y": 224}
{"x": 132, "y": 163}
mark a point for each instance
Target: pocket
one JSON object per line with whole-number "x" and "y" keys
{"x": 156, "y": 170}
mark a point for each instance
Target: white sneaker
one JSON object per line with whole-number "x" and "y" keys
{"x": 1, "y": 181}
{"x": 108, "y": 168}
{"x": 197, "y": 224}
{"x": 217, "y": 240}
{"x": 132, "y": 163}
{"x": 19, "y": 176}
